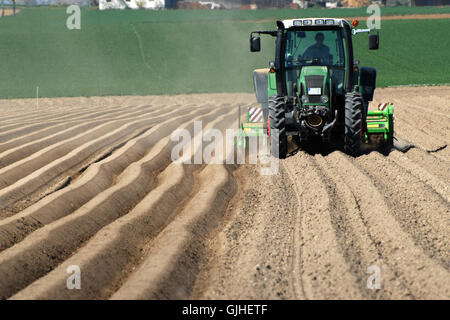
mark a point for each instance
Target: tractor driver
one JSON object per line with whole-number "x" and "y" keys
{"x": 318, "y": 50}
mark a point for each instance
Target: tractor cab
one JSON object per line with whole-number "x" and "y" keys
{"x": 305, "y": 50}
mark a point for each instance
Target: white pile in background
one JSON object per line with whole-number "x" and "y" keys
{"x": 132, "y": 4}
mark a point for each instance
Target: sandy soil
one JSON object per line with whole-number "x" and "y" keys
{"x": 90, "y": 182}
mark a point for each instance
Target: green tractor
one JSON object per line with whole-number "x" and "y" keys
{"x": 315, "y": 88}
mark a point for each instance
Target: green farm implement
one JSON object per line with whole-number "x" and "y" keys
{"x": 381, "y": 122}
{"x": 255, "y": 124}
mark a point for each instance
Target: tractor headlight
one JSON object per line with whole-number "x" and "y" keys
{"x": 305, "y": 99}
{"x": 324, "y": 99}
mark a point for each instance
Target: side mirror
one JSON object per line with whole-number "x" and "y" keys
{"x": 255, "y": 44}
{"x": 374, "y": 41}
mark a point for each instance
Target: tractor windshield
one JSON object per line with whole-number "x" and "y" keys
{"x": 314, "y": 47}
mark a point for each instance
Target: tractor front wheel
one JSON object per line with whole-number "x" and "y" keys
{"x": 277, "y": 127}
{"x": 353, "y": 123}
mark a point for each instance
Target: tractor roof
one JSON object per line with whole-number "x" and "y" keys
{"x": 316, "y": 22}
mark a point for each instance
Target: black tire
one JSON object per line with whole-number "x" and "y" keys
{"x": 354, "y": 107}
{"x": 277, "y": 120}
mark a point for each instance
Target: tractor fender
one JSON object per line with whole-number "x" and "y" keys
{"x": 367, "y": 82}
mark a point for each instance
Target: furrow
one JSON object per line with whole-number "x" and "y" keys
{"x": 52, "y": 244}
{"x": 420, "y": 208}
{"x": 25, "y": 177}
{"x": 54, "y": 129}
{"x": 13, "y": 134}
{"x": 19, "y": 169}
{"x": 429, "y": 113}
{"x": 359, "y": 247}
{"x": 428, "y": 162}
{"x": 25, "y": 150}
{"x": 169, "y": 270}
{"x": 437, "y": 128}
{"x": 87, "y": 113}
{"x": 96, "y": 178}
{"x": 424, "y": 277}
{"x": 325, "y": 273}
{"x": 62, "y": 113}
{"x": 419, "y": 136}
{"x": 434, "y": 181}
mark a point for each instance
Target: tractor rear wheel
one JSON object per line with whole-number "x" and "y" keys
{"x": 353, "y": 122}
{"x": 277, "y": 127}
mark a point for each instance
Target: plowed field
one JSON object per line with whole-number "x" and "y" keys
{"x": 90, "y": 182}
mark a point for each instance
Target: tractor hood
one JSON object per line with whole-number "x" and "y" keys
{"x": 312, "y": 84}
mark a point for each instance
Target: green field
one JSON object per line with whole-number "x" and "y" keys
{"x": 169, "y": 52}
